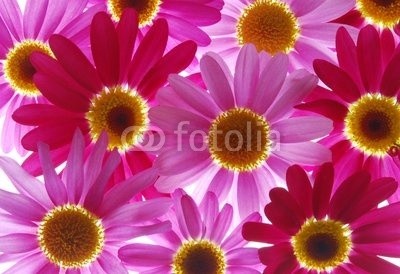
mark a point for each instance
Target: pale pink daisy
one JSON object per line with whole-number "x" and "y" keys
{"x": 301, "y": 29}
{"x": 203, "y": 240}
{"x": 21, "y": 33}
{"x": 70, "y": 224}
{"x": 186, "y": 19}
{"x": 240, "y": 133}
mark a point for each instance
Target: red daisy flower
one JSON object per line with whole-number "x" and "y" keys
{"x": 317, "y": 230}
{"x": 114, "y": 96}
{"x": 364, "y": 104}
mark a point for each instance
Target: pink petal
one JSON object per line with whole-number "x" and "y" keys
{"x": 34, "y": 15}
{"x": 191, "y": 215}
{"x": 54, "y": 186}
{"x": 209, "y": 209}
{"x": 270, "y": 82}
{"x": 111, "y": 264}
{"x": 5, "y": 40}
{"x": 124, "y": 191}
{"x": 138, "y": 212}
{"x": 246, "y": 74}
{"x": 218, "y": 79}
{"x": 24, "y": 182}
{"x": 11, "y": 14}
{"x": 195, "y": 97}
{"x": 11, "y": 224}
{"x": 221, "y": 184}
{"x": 328, "y": 11}
{"x": 30, "y": 264}
{"x": 148, "y": 53}
{"x": 49, "y": 268}
{"x": 127, "y": 232}
{"x": 247, "y": 194}
{"x": 51, "y": 20}
{"x": 195, "y": 13}
{"x": 94, "y": 196}
{"x": 243, "y": 256}
{"x": 300, "y": 8}
{"x": 104, "y": 41}
{"x": 302, "y": 129}
{"x": 306, "y": 153}
{"x": 297, "y": 85}
{"x": 222, "y": 224}
{"x": 21, "y": 206}
{"x": 145, "y": 255}
{"x": 18, "y": 243}
{"x": 235, "y": 238}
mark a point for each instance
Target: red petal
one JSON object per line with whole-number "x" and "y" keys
{"x": 282, "y": 218}
{"x": 378, "y": 191}
{"x": 299, "y": 187}
{"x": 322, "y": 190}
{"x": 330, "y": 109}
{"x": 373, "y": 264}
{"x": 126, "y": 30}
{"x": 282, "y": 197}
{"x": 390, "y": 84}
{"x": 387, "y": 45}
{"x": 349, "y": 192}
{"x": 55, "y": 135}
{"x": 105, "y": 50}
{"x": 148, "y": 52}
{"x": 369, "y": 58}
{"x": 275, "y": 254}
{"x": 174, "y": 61}
{"x": 337, "y": 79}
{"x": 38, "y": 114}
{"x": 265, "y": 233}
{"x": 75, "y": 63}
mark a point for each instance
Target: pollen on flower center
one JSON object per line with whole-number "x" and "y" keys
{"x": 19, "y": 71}
{"x": 239, "y": 140}
{"x": 372, "y": 124}
{"x": 146, "y": 9}
{"x": 322, "y": 245}
{"x": 270, "y": 25}
{"x": 122, "y": 113}
{"x": 199, "y": 257}
{"x": 70, "y": 236}
{"x": 385, "y": 13}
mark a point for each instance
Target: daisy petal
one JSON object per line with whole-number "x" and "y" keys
{"x": 222, "y": 224}
{"x": 306, "y": 153}
{"x": 373, "y": 264}
{"x": 322, "y": 190}
{"x": 11, "y": 14}
{"x": 31, "y": 264}
{"x": 218, "y": 79}
{"x": 18, "y": 243}
{"x": 145, "y": 255}
{"x": 247, "y": 194}
{"x": 111, "y": 264}
{"x": 299, "y": 187}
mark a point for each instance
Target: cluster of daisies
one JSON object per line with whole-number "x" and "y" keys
{"x": 200, "y": 136}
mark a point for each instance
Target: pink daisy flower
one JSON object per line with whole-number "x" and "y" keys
{"x": 114, "y": 97}
{"x": 363, "y": 102}
{"x": 317, "y": 230}
{"x": 202, "y": 240}
{"x": 70, "y": 224}
{"x": 186, "y": 19}
{"x": 300, "y": 29}
{"x": 20, "y": 35}
{"x": 383, "y": 14}
{"x": 240, "y": 133}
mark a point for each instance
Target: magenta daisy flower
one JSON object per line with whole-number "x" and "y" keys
{"x": 70, "y": 224}
{"x": 363, "y": 103}
{"x": 317, "y": 230}
{"x": 114, "y": 97}
{"x": 20, "y": 35}
{"x": 186, "y": 19}
{"x": 202, "y": 240}
{"x": 240, "y": 133}
{"x": 301, "y": 30}
{"x": 383, "y": 14}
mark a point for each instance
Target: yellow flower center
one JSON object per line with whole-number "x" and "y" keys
{"x": 239, "y": 140}
{"x": 372, "y": 124}
{"x": 146, "y": 9}
{"x": 19, "y": 71}
{"x": 70, "y": 236}
{"x": 122, "y": 113}
{"x": 384, "y": 13}
{"x": 270, "y": 25}
{"x": 322, "y": 245}
{"x": 199, "y": 257}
